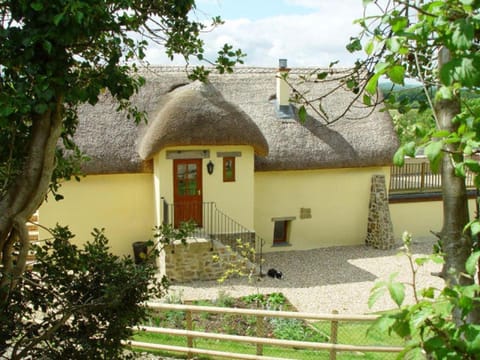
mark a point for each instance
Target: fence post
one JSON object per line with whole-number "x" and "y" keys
{"x": 260, "y": 333}
{"x": 422, "y": 180}
{"x": 188, "y": 318}
{"x": 333, "y": 335}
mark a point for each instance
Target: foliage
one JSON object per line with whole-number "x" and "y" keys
{"x": 272, "y": 301}
{"x": 295, "y": 329}
{"x": 243, "y": 267}
{"x": 437, "y": 323}
{"x": 76, "y": 302}
{"x": 56, "y": 55}
{"x": 404, "y": 41}
{"x": 81, "y": 302}
{"x": 434, "y": 43}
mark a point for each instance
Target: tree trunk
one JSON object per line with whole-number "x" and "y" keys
{"x": 456, "y": 243}
{"x": 24, "y": 196}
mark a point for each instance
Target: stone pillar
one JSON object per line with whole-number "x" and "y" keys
{"x": 380, "y": 228}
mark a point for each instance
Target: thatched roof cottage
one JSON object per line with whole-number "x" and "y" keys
{"x": 233, "y": 145}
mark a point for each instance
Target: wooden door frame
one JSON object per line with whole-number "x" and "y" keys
{"x": 198, "y": 210}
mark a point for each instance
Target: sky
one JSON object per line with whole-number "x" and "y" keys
{"x": 308, "y": 33}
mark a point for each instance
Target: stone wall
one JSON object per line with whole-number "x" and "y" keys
{"x": 195, "y": 260}
{"x": 380, "y": 228}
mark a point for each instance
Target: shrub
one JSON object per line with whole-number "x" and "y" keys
{"x": 76, "y": 303}
{"x": 437, "y": 325}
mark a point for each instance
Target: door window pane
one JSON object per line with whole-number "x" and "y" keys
{"x": 192, "y": 179}
{"x": 181, "y": 168}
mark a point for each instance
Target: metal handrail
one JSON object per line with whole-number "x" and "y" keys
{"x": 217, "y": 225}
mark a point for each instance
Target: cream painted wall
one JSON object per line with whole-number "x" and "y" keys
{"x": 338, "y": 199}
{"x": 235, "y": 199}
{"x": 122, "y": 204}
{"x": 419, "y": 218}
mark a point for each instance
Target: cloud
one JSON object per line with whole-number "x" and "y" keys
{"x": 314, "y": 39}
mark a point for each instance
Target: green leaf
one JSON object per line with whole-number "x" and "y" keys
{"x": 58, "y": 18}
{"x": 382, "y": 325}
{"x": 354, "y": 45}
{"x": 47, "y": 45}
{"x": 416, "y": 353}
{"x": 463, "y": 34}
{"x": 37, "y": 6}
{"x": 369, "y": 47}
{"x": 302, "y": 113}
{"x": 372, "y": 83}
{"x": 460, "y": 170}
{"x": 322, "y": 75}
{"x": 367, "y": 100}
{"x": 441, "y": 134}
{"x": 422, "y": 260}
{"x": 397, "y": 292}
{"x": 381, "y": 67}
{"x": 434, "y": 153}
{"x": 428, "y": 292}
{"x": 418, "y": 318}
{"x": 444, "y": 93}
{"x": 394, "y": 44}
{"x": 410, "y": 148}
{"x": 399, "y": 23}
{"x": 468, "y": 73}
{"x": 472, "y": 336}
{"x": 6, "y": 110}
{"x": 472, "y": 165}
{"x": 375, "y": 294}
{"x": 397, "y": 74}
{"x": 472, "y": 261}
{"x": 399, "y": 157}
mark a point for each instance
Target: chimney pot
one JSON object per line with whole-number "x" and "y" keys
{"x": 282, "y": 63}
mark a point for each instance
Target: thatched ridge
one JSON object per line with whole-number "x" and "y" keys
{"x": 228, "y": 111}
{"x": 197, "y": 114}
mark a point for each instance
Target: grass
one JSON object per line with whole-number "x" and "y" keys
{"x": 352, "y": 333}
{"x": 273, "y": 351}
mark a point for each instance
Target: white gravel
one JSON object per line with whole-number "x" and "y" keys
{"x": 326, "y": 279}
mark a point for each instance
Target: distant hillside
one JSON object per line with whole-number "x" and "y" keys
{"x": 413, "y": 92}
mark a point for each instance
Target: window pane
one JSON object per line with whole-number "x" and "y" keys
{"x": 181, "y": 168}
{"x": 192, "y": 179}
{"x": 280, "y": 232}
{"x": 228, "y": 169}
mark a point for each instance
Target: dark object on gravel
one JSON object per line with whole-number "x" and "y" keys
{"x": 274, "y": 273}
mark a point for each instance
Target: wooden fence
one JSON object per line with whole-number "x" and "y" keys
{"x": 260, "y": 339}
{"x": 416, "y": 176}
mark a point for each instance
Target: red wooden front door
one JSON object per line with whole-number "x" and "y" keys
{"x": 187, "y": 191}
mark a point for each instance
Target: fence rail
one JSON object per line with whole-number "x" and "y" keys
{"x": 416, "y": 175}
{"x": 260, "y": 339}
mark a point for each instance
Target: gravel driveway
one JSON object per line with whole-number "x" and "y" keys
{"x": 326, "y": 279}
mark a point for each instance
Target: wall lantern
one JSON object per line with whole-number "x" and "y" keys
{"x": 210, "y": 167}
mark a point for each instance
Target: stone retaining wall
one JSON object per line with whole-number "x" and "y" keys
{"x": 195, "y": 260}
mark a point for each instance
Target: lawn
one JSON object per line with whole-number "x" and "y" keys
{"x": 352, "y": 333}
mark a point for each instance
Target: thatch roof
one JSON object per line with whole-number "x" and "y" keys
{"x": 196, "y": 114}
